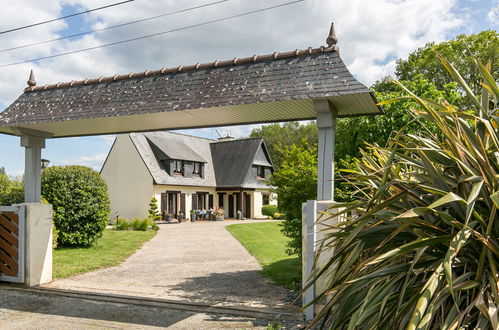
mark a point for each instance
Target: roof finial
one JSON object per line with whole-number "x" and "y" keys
{"x": 331, "y": 39}
{"x": 31, "y": 80}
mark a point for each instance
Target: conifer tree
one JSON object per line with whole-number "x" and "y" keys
{"x": 153, "y": 210}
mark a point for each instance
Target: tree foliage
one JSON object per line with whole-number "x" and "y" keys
{"x": 80, "y": 201}
{"x": 354, "y": 133}
{"x": 422, "y": 73}
{"x": 421, "y": 250}
{"x": 277, "y": 136}
{"x": 484, "y": 46}
{"x": 295, "y": 182}
{"x": 11, "y": 190}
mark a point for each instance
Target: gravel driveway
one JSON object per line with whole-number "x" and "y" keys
{"x": 190, "y": 262}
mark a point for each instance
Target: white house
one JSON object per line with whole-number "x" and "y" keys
{"x": 187, "y": 173}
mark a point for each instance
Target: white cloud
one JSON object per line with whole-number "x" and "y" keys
{"x": 369, "y": 32}
{"x": 372, "y": 35}
{"x": 93, "y": 161}
{"x": 109, "y": 139}
{"x": 493, "y": 14}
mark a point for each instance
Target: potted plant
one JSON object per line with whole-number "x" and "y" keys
{"x": 193, "y": 215}
{"x": 219, "y": 214}
{"x": 169, "y": 217}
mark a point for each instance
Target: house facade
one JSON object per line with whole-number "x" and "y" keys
{"x": 187, "y": 173}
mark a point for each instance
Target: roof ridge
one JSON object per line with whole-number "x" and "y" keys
{"x": 182, "y": 68}
{"x": 238, "y": 139}
{"x": 177, "y": 133}
{"x": 190, "y": 135}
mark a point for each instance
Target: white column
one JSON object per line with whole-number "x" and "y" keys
{"x": 309, "y": 213}
{"x": 33, "y": 167}
{"x": 326, "y": 122}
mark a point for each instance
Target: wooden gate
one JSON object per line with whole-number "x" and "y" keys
{"x": 12, "y": 234}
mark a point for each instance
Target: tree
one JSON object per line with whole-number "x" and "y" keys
{"x": 2, "y": 170}
{"x": 295, "y": 182}
{"x": 11, "y": 190}
{"x": 354, "y": 133}
{"x": 153, "y": 210}
{"x": 4, "y": 187}
{"x": 80, "y": 201}
{"x": 484, "y": 46}
{"x": 277, "y": 136}
{"x": 422, "y": 73}
{"x": 421, "y": 251}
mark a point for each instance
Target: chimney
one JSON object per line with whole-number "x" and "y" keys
{"x": 225, "y": 138}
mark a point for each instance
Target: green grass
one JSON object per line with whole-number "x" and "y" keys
{"x": 267, "y": 244}
{"x": 111, "y": 249}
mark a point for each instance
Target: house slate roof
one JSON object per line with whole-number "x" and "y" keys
{"x": 233, "y": 158}
{"x": 144, "y": 142}
{"x": 174, "y": 147}
{"x": 226, "y": 162}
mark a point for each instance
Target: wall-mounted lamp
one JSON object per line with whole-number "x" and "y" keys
{"x": 45, "y": 163}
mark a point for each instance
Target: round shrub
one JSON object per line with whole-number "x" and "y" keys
{"x": 80, "y": 201}
{"x": 269, "y": 210}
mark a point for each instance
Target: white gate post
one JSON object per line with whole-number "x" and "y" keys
{"x": 309, "y": 214}
{"x": 38, "y": 262}
{"x": 326, "y": 122}
{"x": 33, "y": 167}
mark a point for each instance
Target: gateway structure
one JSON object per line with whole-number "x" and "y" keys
{"x": 311, "y": 83}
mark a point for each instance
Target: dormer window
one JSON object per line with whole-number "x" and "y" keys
{"x": 260, "y": 172}
{"x": 197, "y": 169}
{"x": 178, "y": 167}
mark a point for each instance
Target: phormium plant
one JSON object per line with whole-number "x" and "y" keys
{"x": 422, "y": 250}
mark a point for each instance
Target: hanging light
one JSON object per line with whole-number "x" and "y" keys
{"x": 45, "y": 163}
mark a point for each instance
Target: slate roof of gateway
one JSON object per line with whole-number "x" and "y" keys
{"x": 259, "y": 88}
{"x": 226, "y": 163}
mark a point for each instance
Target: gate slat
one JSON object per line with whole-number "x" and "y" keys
{"x": 9, "y": 237}
{"x": 7, "y": 223}
{"x": 8, "y": 260}
{"x": 6, "y": 270}
{"x": 12, "y": 250}
{"x": 12, "y": 243}
{"x": 12, "y": 217}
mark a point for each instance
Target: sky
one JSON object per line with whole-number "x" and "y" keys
{"x": 372, "y": 36}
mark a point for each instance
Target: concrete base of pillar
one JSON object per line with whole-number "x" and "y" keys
{"x": 38, "y": 262}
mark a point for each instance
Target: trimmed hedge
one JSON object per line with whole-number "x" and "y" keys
{"x": 269, "y": 210}
{"x": 80, "y": 201}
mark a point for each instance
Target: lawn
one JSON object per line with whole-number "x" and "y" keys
{"x": 111, "y": 249}
{"x": 267, "y": 244}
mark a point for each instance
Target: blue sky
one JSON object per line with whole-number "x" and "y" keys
{"x": 394, "y": 30}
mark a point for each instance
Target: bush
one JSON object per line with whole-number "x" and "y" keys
{"x": 136, "y": 224}
{"x": 122, "y": 224}
{"x": 55, "y": 237}
{"x": 80, "y": 201}
{"x": 269, "y": 210}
